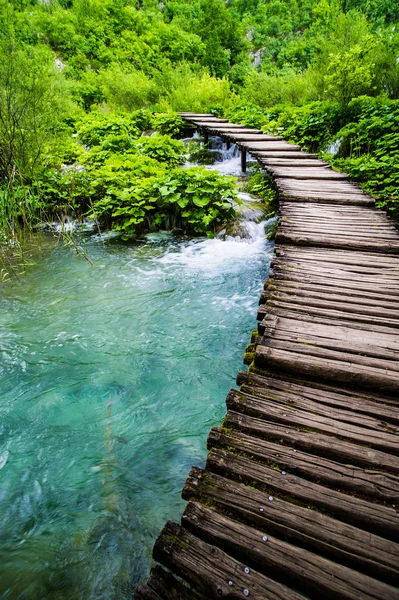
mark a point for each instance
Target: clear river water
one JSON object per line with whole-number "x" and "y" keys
{"x": 111, "y": 377}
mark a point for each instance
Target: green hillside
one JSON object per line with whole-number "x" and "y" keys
{"x": 317, "y": 71}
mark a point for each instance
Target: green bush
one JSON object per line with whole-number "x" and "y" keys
{"x": 247, "y": 114}
{"x": 162, "y": 148}
{"x": 94, "y": 127}
{"x": 169, "y": 123}
{"x": 310, "y": 126}
{"x": 193, "y": 200}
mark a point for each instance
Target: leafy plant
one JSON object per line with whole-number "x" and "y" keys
{"x": 163, "y": 148}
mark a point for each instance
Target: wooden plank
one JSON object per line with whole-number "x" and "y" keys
{"x": 302, "y": 412}
{"x": 341, "y": 304}
{"x": 308, "y": 440}
{"x": 209, "y": 570}
{"x": 331, "y": 241}
{"x": 359, "y": 318}
{"x": 331, "y": 369}
{"x": 328, "y": 198}
{"x": 261, "y": 154}
{"x": 307, "y": 572}
{"x": 293, "y": 162}
{"x": 273, "y": 146}
{"x": 305, "y": 173}
{"x": 361, "y": 401}
{"x": 298, "y": 525}
{"x": 309, "y": 295}
{"x": 375, "y": 486}
{"x": 376, "y": 518}
{"x": 163, "y": 585}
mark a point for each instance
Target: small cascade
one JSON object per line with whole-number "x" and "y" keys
{"x": 333, "y": 147}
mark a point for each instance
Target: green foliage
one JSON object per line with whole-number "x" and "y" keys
{"x": 95, "y": 126}
{"x": 266, "y": 90}
{"x": 261, "y": 186}
{"x": 369, "y": 149}
{"x": 162, "y": 148}
{"x": 192, "y": 200}
{"x": 349, "y": 74}
{"x": 168, "y": 123}
{"x": 247, "y": 114}
{"x": 310, "y": 126}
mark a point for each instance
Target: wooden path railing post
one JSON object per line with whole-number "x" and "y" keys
{"x": 243, "y": 160}
{"x": 299, "y": 498}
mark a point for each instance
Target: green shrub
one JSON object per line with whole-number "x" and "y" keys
{"x": 247, "y": 114}
{"x": 311, "y": 125}
{"x": 169, "y": 123}
{"x": 193, "y": 200}
{"x": 377, "y": 176}
{"x": 96, "y": 126}
{"x": 162, "y": 148}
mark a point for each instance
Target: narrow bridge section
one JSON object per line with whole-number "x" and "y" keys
{"x": 300, "y": 494}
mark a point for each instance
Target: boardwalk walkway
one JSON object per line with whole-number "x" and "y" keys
{"x": 300, "y": 494}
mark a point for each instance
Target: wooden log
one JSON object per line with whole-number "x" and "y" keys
{"x": 310, "y": 441}
{"x": 373, "y": 485}
{"x": 343, "y": 314}
{"x": 344, "y": 304}
{"x": 306, "y": 572}
{"x": 143, "y": 592}
{"x": 328, "y": 420}
{"x": 297, "y": 154}
{"x": 374, "y": 404}
{"x": 208, "y": 569}
{"x": 337, "y": 343}
{"x": 336, "y": 370}
{"x": 309, "y": 295}
{"x": 292, "y": 162}
{"x": 306, "y": 173}
{"x": 328, "y": 198}
{"x": 297, "y": 525}
{"x": 376, "y": 518}
{"x": 331, "y": 241}
{"x": 162, "y": 584}
{"x": 273, "y": 146}
{"x": 356, "y": 406}
{"x": 343, "y": 283}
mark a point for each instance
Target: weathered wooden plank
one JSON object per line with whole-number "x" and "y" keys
{"x": 307, "y": 572}
{"x": 327, "y": 198}
{"x": 290, "y": 277}
{"x": 304, "y": 413}
{"x": 208, "y": 569}
{"x": 328, "y": 368}
{"x": 342, "y": 315}
{"x": 298, "y": 525}
{"x": 306, "y": 173}
{"x": 307, "y": 439}
{"x": 331, "y": 241}
{"x": 374, "y": 485}
{"x": 281, "y": 154}
{"x": 308, "y": 295}
{"x": 293, "y": 162}
{"x": 274, "y": 146}
{"x": 162, "y": 585}
{"x": 363, "y": 402}
{"x": 342, "y": 304}
{"x": 376, "y": 518}
{"x": 381, "y": 234}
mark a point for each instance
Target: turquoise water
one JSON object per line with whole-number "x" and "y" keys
{"x": 111, "y": 376}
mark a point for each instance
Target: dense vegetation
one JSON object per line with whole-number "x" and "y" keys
{"x": 81, "y": 80}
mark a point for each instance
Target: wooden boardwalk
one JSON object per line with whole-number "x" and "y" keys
{"x": 300, "y": 494}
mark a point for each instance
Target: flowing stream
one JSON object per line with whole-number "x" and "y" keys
{"x": 111, "y": 376}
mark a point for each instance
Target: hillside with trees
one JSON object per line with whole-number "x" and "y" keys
{"x": 81, "y": 80}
